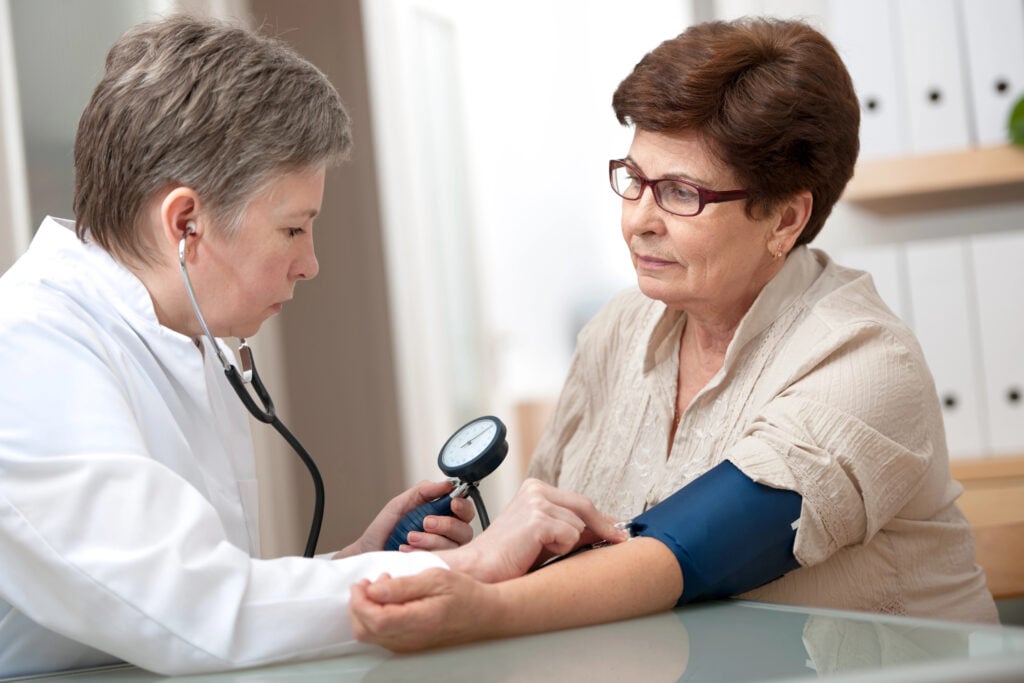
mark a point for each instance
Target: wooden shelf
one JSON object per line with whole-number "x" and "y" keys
{"x": 993, "y": 490}
{"x": 993, "y": 501}
{"x": 988, "y": 468}
{"x": 939, "y": 181}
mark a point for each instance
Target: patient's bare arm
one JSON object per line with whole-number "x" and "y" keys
{"x": 440, "y": 607}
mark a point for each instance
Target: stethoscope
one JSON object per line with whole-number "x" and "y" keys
{"x": 266, "y": 413}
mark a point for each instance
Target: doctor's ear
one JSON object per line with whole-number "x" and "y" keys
{"x": 178, "y": 215}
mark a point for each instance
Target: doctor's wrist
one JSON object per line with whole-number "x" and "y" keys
{"x": 350, "y": 550}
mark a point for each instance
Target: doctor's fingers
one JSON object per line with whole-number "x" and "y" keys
{"x": 464, "y": 509}
{"x": 371, "y": 618}
{"x": 430, "y": 583}
{"x": 409, "y": 613}
{"x": 440, "y": 533}
{"x": 373, "y": 622}
{"x": 426, "y": 491}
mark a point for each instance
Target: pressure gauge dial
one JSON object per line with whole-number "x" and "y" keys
{"x": 470, "y": 454}
{"x": 474, "y": 450}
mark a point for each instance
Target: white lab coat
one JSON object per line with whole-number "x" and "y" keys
{"x": 128, "y": 507}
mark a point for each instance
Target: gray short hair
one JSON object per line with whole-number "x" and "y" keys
{"x": 205, "y": 104}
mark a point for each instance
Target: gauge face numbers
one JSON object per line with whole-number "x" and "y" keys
{"x": 469, "y": 442}
{"x": 475, "y": 450}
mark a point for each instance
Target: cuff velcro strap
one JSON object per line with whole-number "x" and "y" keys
{"x": 728, "y": 533}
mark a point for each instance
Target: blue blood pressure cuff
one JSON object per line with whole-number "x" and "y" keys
{"x": 729, "y": 533}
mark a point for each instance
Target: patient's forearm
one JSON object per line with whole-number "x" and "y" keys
{"x": 637, "y": 577}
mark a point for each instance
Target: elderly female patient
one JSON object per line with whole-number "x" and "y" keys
{"x": 769, "y": 386}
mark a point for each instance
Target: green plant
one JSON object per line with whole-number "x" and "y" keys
{"x": 1017, "y": 123}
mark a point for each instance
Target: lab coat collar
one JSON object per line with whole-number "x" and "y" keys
{"x": 56, "y": 239}
{"x": 89, "y": 266}
{"x": 92, "y": 277}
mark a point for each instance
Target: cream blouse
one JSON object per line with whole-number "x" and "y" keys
{"x": 824, "y": 392}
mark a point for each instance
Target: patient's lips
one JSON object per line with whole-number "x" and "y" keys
{"x": 653, "y": 262}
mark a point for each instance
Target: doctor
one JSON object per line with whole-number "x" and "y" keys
{"x": 128, "y": 507}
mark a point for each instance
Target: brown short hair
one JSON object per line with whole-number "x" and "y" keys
{"x": 205, "y": 104}
{"x": 771, "y": 98}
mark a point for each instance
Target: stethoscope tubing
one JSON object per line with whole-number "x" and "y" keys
{"x": 267, "y": 414}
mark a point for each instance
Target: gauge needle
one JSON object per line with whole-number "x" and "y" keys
{"x": 474, "y": 437}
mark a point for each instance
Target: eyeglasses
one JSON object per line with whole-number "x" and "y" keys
{"x": 678, "y": 197}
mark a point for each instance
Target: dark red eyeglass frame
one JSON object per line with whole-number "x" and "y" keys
{"x": 704, "y": 195}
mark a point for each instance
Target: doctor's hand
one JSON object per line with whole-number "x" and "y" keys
{"x": 541, "y": 521}
{"x": 430, "y": 609}
{"x": 440, "y": 531}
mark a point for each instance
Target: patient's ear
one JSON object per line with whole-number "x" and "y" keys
{"x": 792, "y": 218}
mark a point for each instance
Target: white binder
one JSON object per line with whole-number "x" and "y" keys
{"x": 865, "y": 34}
{"x": 887, "y": 265}
{"x": 942, "y": 316}
{"x": 728, "y": 10}
{"x": 994, "y": 43}
{"x": 998, "y": 262}
{"x": 806, "y": 10}
{"x": 935, "y": 81}
{"x": 809, "y": 11}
